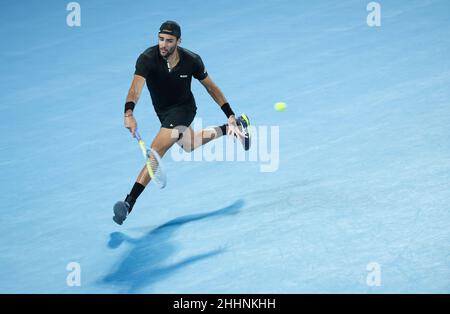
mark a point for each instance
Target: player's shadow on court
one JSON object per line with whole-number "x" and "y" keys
{"x": 148, "y": 260}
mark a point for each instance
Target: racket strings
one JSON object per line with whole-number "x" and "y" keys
{"x": 158, "y": 174}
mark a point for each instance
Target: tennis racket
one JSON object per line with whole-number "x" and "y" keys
{"x": 153, "y": 163}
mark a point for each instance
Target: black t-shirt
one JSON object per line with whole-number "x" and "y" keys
{"x": 170, "y": 89}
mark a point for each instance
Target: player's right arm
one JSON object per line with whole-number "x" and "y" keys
{"x": 132, "y": 98}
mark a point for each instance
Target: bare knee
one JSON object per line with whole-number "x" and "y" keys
{"x": 186, "y": 141}
{"x": 187, "y": 147}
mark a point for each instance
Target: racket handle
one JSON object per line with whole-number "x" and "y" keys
{"x": 137, "y": 135}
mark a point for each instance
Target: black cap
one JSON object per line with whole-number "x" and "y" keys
{"x": 171, "y": 28}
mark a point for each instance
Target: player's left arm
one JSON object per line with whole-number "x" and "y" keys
{"x": 214, "y": 91}
{"x": 220, "y": 99}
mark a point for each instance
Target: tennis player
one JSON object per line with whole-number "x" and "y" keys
{"x": 167, "y": 69}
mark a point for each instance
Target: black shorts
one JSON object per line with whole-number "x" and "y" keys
{"x": 177, "y": 117}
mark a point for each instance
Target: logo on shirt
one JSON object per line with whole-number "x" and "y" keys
{"x": 183, "y": 76}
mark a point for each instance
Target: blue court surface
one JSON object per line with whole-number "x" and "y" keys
{"x": 346, "y": 191}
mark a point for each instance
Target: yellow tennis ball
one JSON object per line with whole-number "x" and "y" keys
{"x": 280, "y": 106}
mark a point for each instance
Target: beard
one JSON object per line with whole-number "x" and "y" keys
{"x": 168, "y": 53}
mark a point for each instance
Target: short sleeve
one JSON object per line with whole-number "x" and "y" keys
{"x": 142, "y": 66}
{"x": 199, "y": 69}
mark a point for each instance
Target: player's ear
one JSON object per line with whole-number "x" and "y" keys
{"x": 179, "y": 41}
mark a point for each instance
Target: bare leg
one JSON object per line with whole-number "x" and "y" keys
{"x": 192, "y": 140}
{"x": 189, "y": 141}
